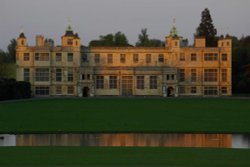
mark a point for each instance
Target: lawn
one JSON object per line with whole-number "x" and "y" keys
{"x": 212, "y": 115}
{"x": 114, "y": 157}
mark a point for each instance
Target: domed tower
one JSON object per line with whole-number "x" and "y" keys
{"x": 21, "y": 40}
{"x": 70, "y": 39}
{"x": 173, "y": 40}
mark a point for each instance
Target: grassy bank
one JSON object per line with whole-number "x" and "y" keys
{"x": 122, "y": 157}
{"x": 125, "y": 115}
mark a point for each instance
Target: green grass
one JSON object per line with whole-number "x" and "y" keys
{"x": 121, "y": 157}
{"x": 126, "y": 115}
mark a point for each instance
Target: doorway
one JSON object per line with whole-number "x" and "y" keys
{"x": 85, "y": 92}
{"x": 170, "y": 91}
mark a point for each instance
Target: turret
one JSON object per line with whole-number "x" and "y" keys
{"x": 70, "y": 38}
{"x": 21, "y": 40}
{"x": 173, "y": 40}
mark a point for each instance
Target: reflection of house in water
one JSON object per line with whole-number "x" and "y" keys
{"x": 172, "y": 70}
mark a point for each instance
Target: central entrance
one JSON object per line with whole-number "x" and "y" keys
{"x": 127, "y": 85}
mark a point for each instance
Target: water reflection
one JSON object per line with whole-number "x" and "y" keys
{"x": 128, "y": 140}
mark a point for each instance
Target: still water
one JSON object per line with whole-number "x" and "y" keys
{"x": 129, "y": 140}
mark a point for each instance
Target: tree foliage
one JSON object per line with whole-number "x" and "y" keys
{"x": 207, "y": 29}
{"x": 144, "y": 41}
{"x": 118, "y": 39}
{"x": 12, "y": 50}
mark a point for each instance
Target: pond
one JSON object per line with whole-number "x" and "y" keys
{"x": 129, "y": 140}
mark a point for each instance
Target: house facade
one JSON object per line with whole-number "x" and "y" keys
{"x": 173, "y": 70}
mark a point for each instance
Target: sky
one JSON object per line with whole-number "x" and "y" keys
{"x": 92, "y": 18}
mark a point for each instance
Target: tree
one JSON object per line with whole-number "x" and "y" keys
{"x": 119, "y": 39}
{"x": 207, "y": 29}
{"x": 49, "y": 42}
{"x": 12, "y": 50}
{"x": 156, "y": 43}
{"x": 143, "y": 39}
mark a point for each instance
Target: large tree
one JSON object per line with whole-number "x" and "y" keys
{"x": 143, "y": 39}
{"x": 12, "y": 50}
{"x": 207, "y": 29}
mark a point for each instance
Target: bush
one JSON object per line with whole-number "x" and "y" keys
{"x": 12, "y": 89}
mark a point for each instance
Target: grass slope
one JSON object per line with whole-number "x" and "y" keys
{"x": 126, "y": 115}
{"x": 113, "y": 157}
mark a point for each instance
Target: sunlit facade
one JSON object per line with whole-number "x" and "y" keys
{"x": 173, "y": 70}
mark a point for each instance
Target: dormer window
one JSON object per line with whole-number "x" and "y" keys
{"x": 22, "y": 42}
{"x": 70, "y": 42}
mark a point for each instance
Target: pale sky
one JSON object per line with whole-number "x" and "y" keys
{"x": 92, "y": 18}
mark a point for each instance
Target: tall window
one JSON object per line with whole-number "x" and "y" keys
{"x": 58, "y": 56}
{"x": 113, "y": 82}
{"x": 99, "y": 82}
{"x": 224, "y": 75}
{"x": 26, "y": 56}
{"x": 193, "y": 57}
{"x": 84, "y": 57}
{"x": 224, "y": 57}
{"x": 97, "y": 58}
{"x": 193, "y": 90}
{"x": 182, "y": 57}
{"x": 70, "y": 57}
{"x": 182, "y": 75}
{"x": 58, "y": 75}
{"x": 153, "y": 82}
{"x": 26, "y": 74}
{"x": 58, "y": 90}
{"x": 211, "y": 57}
{"x": 182, "y": 90}
{"x": 41, "y": 56}
{"x": 70, "y": 75}
{"x": 123, "y": 58}
{"x": 224, "y": 90}
{"x": 135, "y": 58}
{"x": 70, "y": 90}
{"x": 140, "y": 82}
{"x": 42, "y": 90}
{"x": 161, "y": 58}
{"x": 193, "y": 75}
{"x": 210, "y": 75}
{"x": 148, "y": 58}
{"x": 210, "y": 90}
{"x": 110, "y": 58}
{"x": 42, "y": 74}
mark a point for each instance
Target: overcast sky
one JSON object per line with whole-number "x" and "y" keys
{"x": 91, "y": 18}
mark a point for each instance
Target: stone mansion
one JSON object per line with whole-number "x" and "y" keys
{"x": 173, "y": 70}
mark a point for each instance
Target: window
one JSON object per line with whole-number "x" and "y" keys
{"x": 210, "y": 75}
{"x": 122, "y": 58}
{"x": 193, "y": 75}
{"x": 83, "y": 76}
{"x": 41, "y": 56}
{"x": 135, "y": 58}
{"x": 182, "y": 75}
{"x": 112, "y": 82}
{"x": 70, "y": 41}
{"x": 58, "y": 56}
{"x": 88, "y": 76}
{"x": 211, "y": 57}
{"x": 70, "y": 90}
{"x": 170, "y": 77}
{"x": 193, "y": 90}
{"x": 58, "y": 75}
{"x": 70, "y": 75}
{"x": 140, "y": 82}
{"x": 97, "y": 58}
{"x": 84, "y": 58}
{"x": 161, "y": 58}
{"x": 210, "y": 90}
{"x": 167, "y": 77}
{"x": 110, "y": 58}
{"x": 41, "y": 90}
{"x": 26, "y": 74}
{"x": 42, "y": 74}
{"x": 153, "y": 82}
{"x": 224, "y": 57}
{"x": 224, "y": 75}
{"x": 224, "y": 90}
{"x": 26, "y": 56}
{"x": 182, "y": 57}
{"x": 193, "y": 57}
{"x": 148, "y": 58}
{"x": 70, "y": 57}
{"x": 99, "y": 82}
{"x": 182, "y": 90}
{"x": 58, "y": 90}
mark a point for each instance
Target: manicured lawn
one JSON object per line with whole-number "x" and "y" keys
{"x": 114, "y": 157}
{"x": 126, "y": 115}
